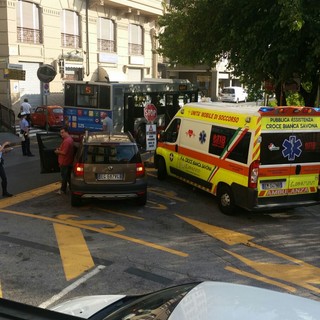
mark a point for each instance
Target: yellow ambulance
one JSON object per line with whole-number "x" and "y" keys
{"x": 253, "y": 157}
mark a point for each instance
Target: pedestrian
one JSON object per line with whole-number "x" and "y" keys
{"x": 4, "y": 182}
{"x": 65, "y": 159}
{"x": 26, "y": 107}
{"x": 107, "y": 124}
{"x": 24, "y": 134}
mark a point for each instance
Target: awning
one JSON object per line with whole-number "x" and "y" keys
{"x": 112, "y": 75}
{"x": 73, "y": 65}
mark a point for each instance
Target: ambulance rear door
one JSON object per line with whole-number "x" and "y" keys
{"x": 289, "y": 160}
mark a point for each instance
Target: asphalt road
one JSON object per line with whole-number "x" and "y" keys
{"x": 50, "y": 252}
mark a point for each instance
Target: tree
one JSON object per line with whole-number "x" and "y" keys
{"x": 275, "y": 40}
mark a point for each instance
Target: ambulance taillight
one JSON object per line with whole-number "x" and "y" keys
{"x": 253, "y": 174}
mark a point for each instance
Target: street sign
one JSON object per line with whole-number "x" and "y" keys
{"x": 150, "y": 112}
{"x": 46, "y": 89}
{"x": 151, "y": 137}
{"x": 15, "y": 66}
{"x": 15, "y": 74}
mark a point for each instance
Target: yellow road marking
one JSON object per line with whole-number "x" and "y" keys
{"x": 166, "y": 194}
{"x": 301, "y": 274}
{"x": 29, "y": 195}
{"x": 297, "y": 272}
{"x": 104, "y": 231}
{"x": 156, "y": 205}
{"x": 259, "y": 278}
{"x": 74, "y": 252}
{"x": 227, "y": 236}
{"x": 120, "y": 214}
{"x": 1, "y": 296}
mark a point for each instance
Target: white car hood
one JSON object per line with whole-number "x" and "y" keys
{"x": 226, "y": 301}
{"x": 215, "y": 301}
{"x": 86, "y": 306}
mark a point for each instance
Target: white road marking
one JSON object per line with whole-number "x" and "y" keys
{"x": 71, "y": 287}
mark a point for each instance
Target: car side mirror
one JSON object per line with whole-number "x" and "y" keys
{"x": 162, "y": 136}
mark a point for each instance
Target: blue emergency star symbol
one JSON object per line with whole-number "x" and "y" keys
{"x": 202, "y": 137}
{"x": 292, "y": 148}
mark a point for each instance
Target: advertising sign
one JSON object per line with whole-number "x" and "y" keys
{"x": 80, "y": 119}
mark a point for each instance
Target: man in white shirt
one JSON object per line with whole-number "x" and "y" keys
{"x": 26, "y": 108}
{"x": 107, "y": 124}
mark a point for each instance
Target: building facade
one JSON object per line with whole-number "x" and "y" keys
{"x": 91, "y": 40}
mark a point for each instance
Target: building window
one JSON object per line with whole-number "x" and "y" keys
{"x": 135, "y": 40}
{"x": 106, "y": 35}
{"x": 70, "y": 29}
{"x": 28, "y": 23}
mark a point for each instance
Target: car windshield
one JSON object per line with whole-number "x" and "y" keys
{"x": 57, "y": 111}
{"x": 158, "y": 305}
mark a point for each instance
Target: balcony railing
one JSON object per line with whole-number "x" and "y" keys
{"x": 28, "y": 35}
{"x": 135, "y": 49}
{"x": 70, "y": 40}
{"x": 106, "y": 45}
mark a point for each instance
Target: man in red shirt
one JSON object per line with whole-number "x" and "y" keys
{"x": 65, "y": 159}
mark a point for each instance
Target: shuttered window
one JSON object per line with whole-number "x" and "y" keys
{"x": 135, "y": 39}
{"x": 28, "y": 23}
{"x": 70, "y": 29}
{"x": 106, "y": 35}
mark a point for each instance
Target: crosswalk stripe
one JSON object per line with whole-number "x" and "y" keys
{"x": 33, "y": 131}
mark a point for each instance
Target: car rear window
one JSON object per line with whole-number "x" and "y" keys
{"x": 58, "y": 111}
{"x": 228, "y": 90}
{"x": 111, "y": 154}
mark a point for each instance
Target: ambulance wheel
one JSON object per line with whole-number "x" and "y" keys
{"x": 162, "y": 170}
{"x": 226, "y": 201}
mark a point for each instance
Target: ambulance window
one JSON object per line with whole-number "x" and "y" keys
{"x": 290, "y": 147}
{"x": 221, "y": 141}
{"x": 173, "y": 130}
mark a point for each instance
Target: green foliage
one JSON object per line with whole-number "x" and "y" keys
{"x": 263, "y": 39}
{"x": 295, "y": 99}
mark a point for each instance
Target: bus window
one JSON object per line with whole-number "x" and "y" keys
{"x": 87, "y": 96}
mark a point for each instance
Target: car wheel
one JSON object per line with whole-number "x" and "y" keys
{"x": 226, "y": 200}
{"x": 162, "y": 170}
{"x": 75, "y": 201}
{"x": 142, "y": 200}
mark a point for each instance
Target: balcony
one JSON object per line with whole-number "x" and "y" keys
{"x": 70, "y": 41}
{"x": 152, "y": 9}
{"x": 106, "y": 45}
{"x": 136, "y": 49}
{"x": 27, "y": 35}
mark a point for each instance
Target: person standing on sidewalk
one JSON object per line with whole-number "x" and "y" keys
{"x": 24, "y": 133}
{"x": 3, "y": 176}
{"x": 26, "y": 107}
{"x": 65, "y": 159}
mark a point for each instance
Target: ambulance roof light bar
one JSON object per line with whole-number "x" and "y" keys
{"x": 288, "y": 110}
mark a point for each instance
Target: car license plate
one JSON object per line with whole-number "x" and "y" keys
{"x": 271, "y": 185}
{"x": 109, "y": 176}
